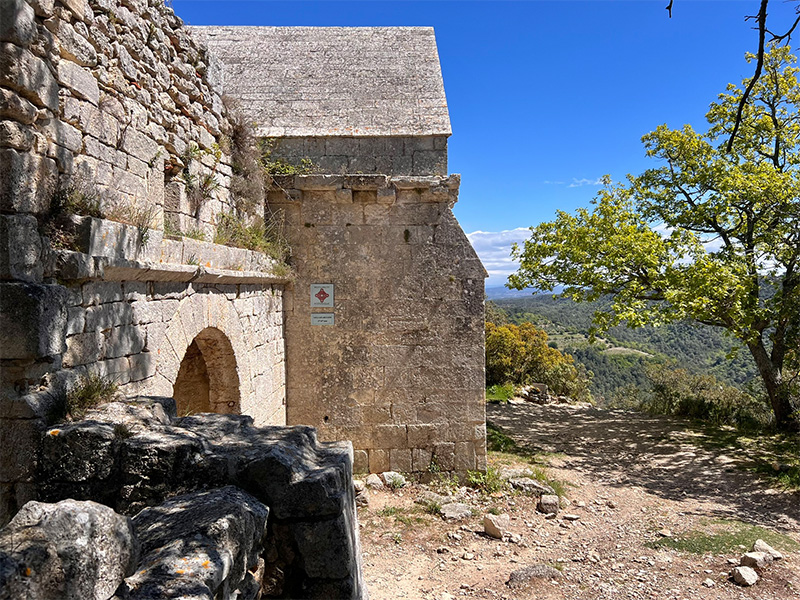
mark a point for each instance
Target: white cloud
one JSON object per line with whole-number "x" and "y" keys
{"x": 494, "y": 248}
{"x": 583, "y": 181}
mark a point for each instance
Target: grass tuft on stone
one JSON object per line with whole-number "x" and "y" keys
{"x": 89, "y": 392}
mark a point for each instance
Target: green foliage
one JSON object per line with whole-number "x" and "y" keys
{"x": 89, "y": 392}
{"x": 520, "y": 355}
{"x": 255, "y": 234}
{"x": 281, "y": 166}
{"x": 643, "y": 243}
{"x": 703, "y": 397}
{"x": 500, "y": 393}
{"x": 432, "y": 507}
{"x": 122, "y": 431}
{"x": 395, "y": 482}
{"x": 695, "y": 347}
{"x": 489, "y": 482}
{"x": 200, "y": 187}
{"x": 248, "y": 185}
{"x": 496, "y": 314}
{"x": 724, "y": 536}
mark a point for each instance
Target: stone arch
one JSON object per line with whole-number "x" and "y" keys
{"x": 196, "y": 313}
{"x": 207, "y": 379}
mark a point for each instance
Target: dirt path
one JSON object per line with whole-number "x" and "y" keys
{"x": 630, "y": 479}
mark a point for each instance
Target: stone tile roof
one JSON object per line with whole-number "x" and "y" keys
{"x": 333, "y": 81}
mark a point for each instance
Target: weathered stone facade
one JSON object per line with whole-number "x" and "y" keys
{"x": 399, "y": 369}
{"x": 115, "y": 100}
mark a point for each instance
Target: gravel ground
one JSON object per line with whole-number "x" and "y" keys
{"x": 631, "y": 481}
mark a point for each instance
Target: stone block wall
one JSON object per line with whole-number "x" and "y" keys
{"x": 113, "y": 98}
{"x": 399, "y": 368}
{"x": 398, "y": 155}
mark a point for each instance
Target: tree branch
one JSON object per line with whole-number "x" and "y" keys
{"x": 762, "y": 33}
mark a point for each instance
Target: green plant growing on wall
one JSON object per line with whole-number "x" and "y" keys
{"x": 257, "y": 234}
{"x": 282, "y": 166}
{"x": 248, "y": 179}
{"x": 200, "y": 188}
{"x": 89, "y": 392}
{"x": 140, "y": 216}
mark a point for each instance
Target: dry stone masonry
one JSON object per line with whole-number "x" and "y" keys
{"x": 114, "y": 100}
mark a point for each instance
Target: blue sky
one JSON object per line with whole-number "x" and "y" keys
{"x": 546, "y": 96}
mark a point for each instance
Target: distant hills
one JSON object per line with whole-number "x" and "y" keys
{"x": 618, "y": 359}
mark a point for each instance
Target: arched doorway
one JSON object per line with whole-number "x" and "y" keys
{"x": 207, "y": 379}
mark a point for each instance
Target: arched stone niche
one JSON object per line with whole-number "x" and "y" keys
{"x": 207, "y": 379}
{"x": 204, "y": 351}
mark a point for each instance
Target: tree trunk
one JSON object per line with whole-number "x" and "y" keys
{"x": 778, "y": 390}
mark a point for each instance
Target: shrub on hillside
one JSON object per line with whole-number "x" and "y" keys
{"x": 520, "y": 355}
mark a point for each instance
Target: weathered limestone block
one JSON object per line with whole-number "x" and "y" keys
{"x": 17, "y": 22}
{"x": 29, "y": 75}
{"x": 66, "y": 551}
{"x": 74, "y": 47}
{"x": 123, "y": 341}
{"x": 14, "y": 106}
{"x": 199, "y": 544}
{"x": 79, "y": 80}
{"x": 83, "y": 348}
{"x": 78, "y": 7}
{"x": 33, "y": 320}
{"x": 27, "y": 181}
{"x": 102, "y": 237}
{"x": 307, "y": 485}
{"x": 43, "y": 8}
{"x": 20, "y": 248}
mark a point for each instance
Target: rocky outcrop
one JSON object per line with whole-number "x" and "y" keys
{"x": 200, "y": 545}
{"x": 66, "y": 551}
{"x": 132, "y": 457}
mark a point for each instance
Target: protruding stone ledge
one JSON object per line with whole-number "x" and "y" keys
{"x": 367, "y": 182}
{"x": 111, "y": 269}
{"x": 113, "y": 251}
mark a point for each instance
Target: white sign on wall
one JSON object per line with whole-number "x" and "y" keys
{"x": 321, "y": 295}
{"x": 322, "y": 318}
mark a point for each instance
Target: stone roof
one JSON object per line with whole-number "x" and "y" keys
{"x": 333, "y": 81}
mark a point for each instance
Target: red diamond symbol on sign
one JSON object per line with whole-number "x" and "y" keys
{"x": 321, "y": 295}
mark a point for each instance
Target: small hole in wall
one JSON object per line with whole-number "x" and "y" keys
{"x": 325, "y": 419}
{"x": 406, "y": 235}
{"x": 309, "y": 224}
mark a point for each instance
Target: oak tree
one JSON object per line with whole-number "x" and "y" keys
{"x": 712, "y": 234}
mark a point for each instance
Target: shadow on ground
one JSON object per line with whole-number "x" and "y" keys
{"x": 658, "y": 454}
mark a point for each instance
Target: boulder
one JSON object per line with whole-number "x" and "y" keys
{"x": 374, "y": 481}
{"x": 530, "y": 486}
{"x": 549, "y": 504}
{"x": 135, "y": 457}
{"x": 756, "y": 560}
{"x": 201, "y": 544}
{"x": 456, "y": 511}
{"x": 496, "y": 525}
{"x": 744, "y": 576}
{"x": 524, "y": 576}
{"x": 71, "y": 550}
{"x": 762, "y": 546}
